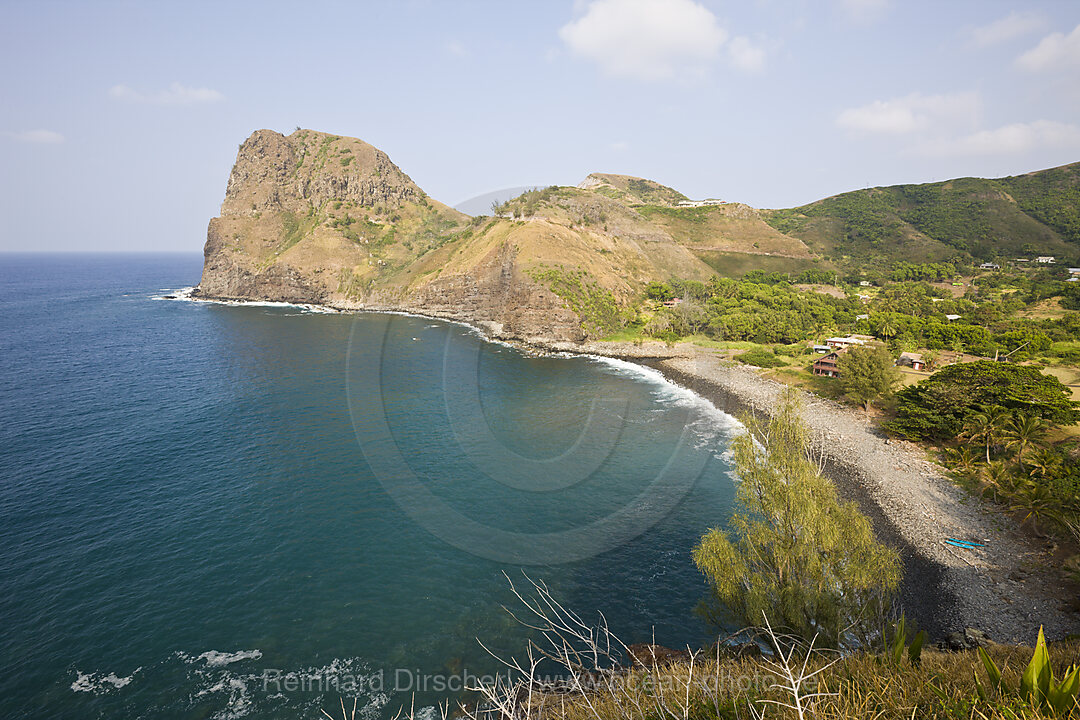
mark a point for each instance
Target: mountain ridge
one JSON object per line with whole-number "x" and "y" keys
{"x": 318, "y": 218}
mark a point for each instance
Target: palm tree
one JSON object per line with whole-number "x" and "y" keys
{"x": 1045, "y": 463}
{"x": 1036, "y": 501}
{"x": 998, "y": 479}
{"x": 1023, "y": 432}
{"x": 963, "y": 462}
{"x": 986, "y": 426}
{"x": 887, "y": 327}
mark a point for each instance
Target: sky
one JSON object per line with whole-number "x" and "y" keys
{"x": 120, "y": 121}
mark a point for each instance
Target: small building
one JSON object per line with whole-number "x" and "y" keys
{"x": 864, "y": 316}
{"x": 1074, "y": 278}
{"x": 842, "y": 343}
{"x": 822, "y": 349}
{"x": 827, "y": 366}
{"x": 1074, "y": 271}
{"x": 989, "y": 266}
{"x": 952, "y": 317}
{"x": 672, "y": 303}
{"x": 864, "y": 283}
{"x": 912, "y": 360}
{"x": 1045, "y": 259}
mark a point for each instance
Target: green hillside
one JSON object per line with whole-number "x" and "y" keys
{"x": 970, "y": 218}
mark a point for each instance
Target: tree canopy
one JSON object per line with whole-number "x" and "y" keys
{"x": 939, "y": 407}
{"x": 867, "y": 374}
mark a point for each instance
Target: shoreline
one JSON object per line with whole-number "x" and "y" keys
{"x": 999, "y": 589}
{"x": 1002, "y": 589}
{"x": 924, "y": 594}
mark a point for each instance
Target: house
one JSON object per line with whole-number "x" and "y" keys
{"x": 822, "y": 349}
{"x": 701, "y": 203}
{"x": 1074, "y": 271}
{"x": 672, "y": 303}
{"x": 842, "y": 343}
{"x": 827, "y": 366}
{"x": 913, "y": 360}
{"x": 864, "y": 316}
{"x": 951, "y": 317}
{"x": 864, "y": 283}
{"x": 1045, "y": 259}
{"x": 989, "y": 266}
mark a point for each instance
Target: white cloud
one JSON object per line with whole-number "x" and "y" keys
{"x": 646, "y": 39}
{"x": 911, "y": 113}
{"x": 36, "y": 137}
{"x": 175, "y": 94}
{"x": 1056, "y": 51}
{"x": 864, "y": 10}
{"x": 746, "y": 55}
{"x": 1013, "y": 25}
{"x": 1015, "y": 138}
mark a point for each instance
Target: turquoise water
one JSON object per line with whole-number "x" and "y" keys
{"x": 194, "y": 497}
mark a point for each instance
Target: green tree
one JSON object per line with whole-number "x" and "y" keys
{"x": 793, "y": 550}
{"x": 656, "y": 290}
{"x": 938, "y": 407}
{"x": 888, "y": 327}
{"x": 986, "y": 427}
{"x": 867, "y": 374}
{"x": 1023, "y": 432}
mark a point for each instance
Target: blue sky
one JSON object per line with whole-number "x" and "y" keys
{"x": 120, "y": 120}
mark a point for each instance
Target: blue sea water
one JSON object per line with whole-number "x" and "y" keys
{"x": 198, "y": 498}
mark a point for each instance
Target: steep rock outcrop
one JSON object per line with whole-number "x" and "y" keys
{"x": 318, "y": 218}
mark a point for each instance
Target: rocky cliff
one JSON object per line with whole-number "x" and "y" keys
{"x": 318, "y": 218}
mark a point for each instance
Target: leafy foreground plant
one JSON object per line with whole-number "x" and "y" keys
{"x": 900, "y": 643}
{"x": 1037, "y": 685}
{"x": 795, "y": 552}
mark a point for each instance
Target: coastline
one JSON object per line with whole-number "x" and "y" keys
{"x": 999, "y": 589}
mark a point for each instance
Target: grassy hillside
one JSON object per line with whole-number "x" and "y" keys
{"x": 969, "y": 218}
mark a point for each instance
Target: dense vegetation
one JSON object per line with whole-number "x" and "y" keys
{"x": 749, "y": 309}
{"x": 939, "y": 407}
{"x": 1037, "y": 213}
{"x": 1052, "y": 197}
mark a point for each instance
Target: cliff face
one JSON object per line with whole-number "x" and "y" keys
{"x": 319, "y": 218}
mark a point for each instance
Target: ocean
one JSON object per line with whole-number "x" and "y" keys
{"x": 220, "y": 511}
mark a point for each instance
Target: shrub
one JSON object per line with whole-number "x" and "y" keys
{"x": 761, "y": 358}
